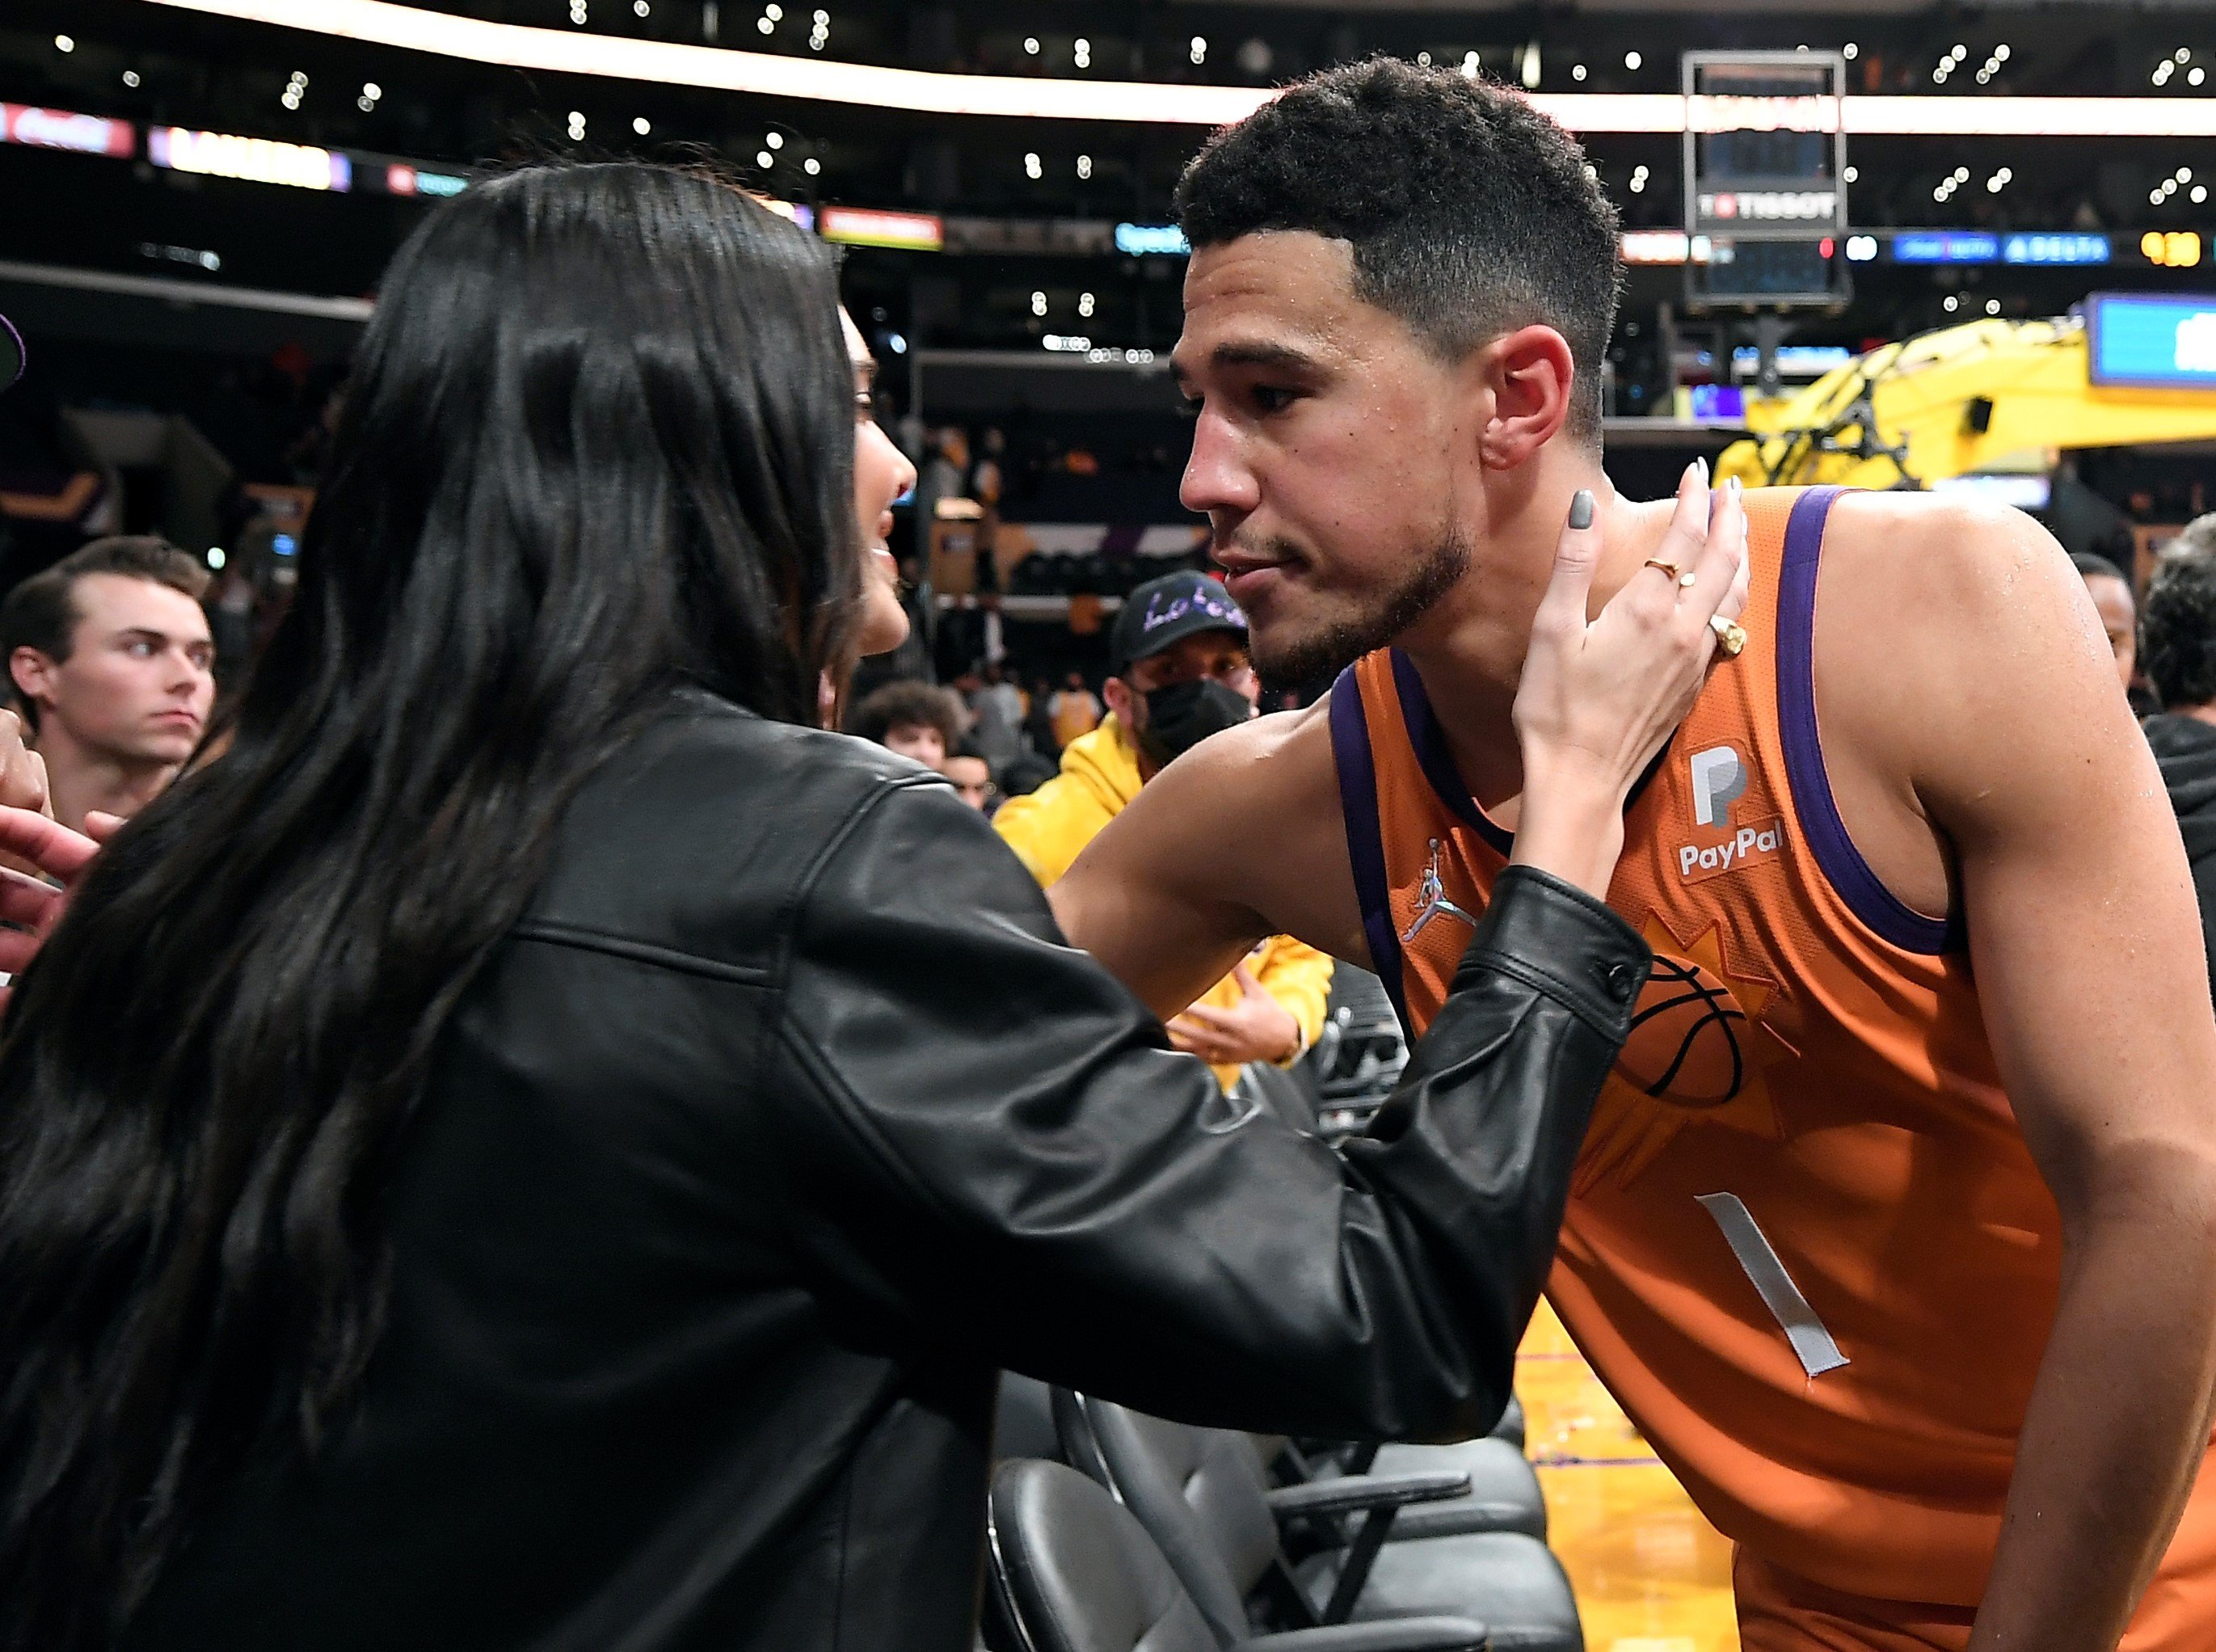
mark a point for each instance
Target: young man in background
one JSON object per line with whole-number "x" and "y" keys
{"x": 111, "y": 659}
{"x": 971, "y": 776}
{"x": 912, "y": 718}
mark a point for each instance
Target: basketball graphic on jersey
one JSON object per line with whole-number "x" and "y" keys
{"x": 1704, "y": 1036}
{"x": 1687, "y": 1043}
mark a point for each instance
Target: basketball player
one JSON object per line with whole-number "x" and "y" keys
{"x": 1895, "y": 1231}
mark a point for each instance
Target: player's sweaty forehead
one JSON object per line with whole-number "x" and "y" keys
{"x": 1281, "y": 299}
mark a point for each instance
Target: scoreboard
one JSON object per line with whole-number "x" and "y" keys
{"x": 1765, "y": 179}
{"x": 2151, "y": 341}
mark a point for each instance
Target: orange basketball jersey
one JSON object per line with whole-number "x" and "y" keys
{"x": 1806, "y": 1247}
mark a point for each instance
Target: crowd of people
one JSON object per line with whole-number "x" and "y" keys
{"x": 515, "y": 1131}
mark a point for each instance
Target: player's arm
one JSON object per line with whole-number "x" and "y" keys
{"x": 2086, "y": 945}
{"x": 1170, "y": 895}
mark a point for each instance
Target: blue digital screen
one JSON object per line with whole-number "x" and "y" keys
{"x": 284, "y": 545}
{"x": 1136, "y": 240}
{"x": 1718, "y": 402}
{"x": 2055, "y": 250}
{"x": 2029, "y": 492}
{"x": 1795, "y": 361}
{"x": 2163, "y": 339}
{"x": 1945, "y": 247}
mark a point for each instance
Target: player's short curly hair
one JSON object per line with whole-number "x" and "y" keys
{"x": 1469, "y": 212}
{"x": 2178, "y": 621}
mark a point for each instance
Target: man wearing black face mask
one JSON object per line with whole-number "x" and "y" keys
{"x": 1178, "y": 654}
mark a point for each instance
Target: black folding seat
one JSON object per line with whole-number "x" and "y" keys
{"x": 1202, "y": 1494}
{"x": 1072, "y": 1571}
{"x": 1359, "y": 1054}
{"x": 1023, "y": 1420}
{"x": 1503, "y": 1495}
{"x": 1511, "y": 1426}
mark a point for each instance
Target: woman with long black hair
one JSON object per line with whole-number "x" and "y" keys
{"x": 540, "y": 1145}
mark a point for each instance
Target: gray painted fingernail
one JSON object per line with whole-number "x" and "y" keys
{"x": 1581, "y": 508}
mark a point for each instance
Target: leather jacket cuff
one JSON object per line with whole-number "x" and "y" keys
{"x": 1555, "y": 938}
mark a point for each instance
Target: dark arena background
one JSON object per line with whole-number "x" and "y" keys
{"x": 1963, "y": 249}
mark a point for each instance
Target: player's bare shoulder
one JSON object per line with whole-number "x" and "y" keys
{"x": 1940, "y": 550}
{"x": 1940, "y": 627}
{"x": 1921, "y": 599}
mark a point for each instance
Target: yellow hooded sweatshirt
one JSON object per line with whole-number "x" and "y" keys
{"x": 1099, "y": 776}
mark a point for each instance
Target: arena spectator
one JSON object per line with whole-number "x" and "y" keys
{"x": 912, "y": 718}
{"x": 946, "y": 463}
{"x": 1178, "y": 652}
{"x": 2177, "y": 646}
{"x": 997, "y": 713}
{"x": 965, "y": 766}
{"x": 2111, "y": 592}
{"x": 1076, "y": 709}
{"x": 1038, "y": 718}
{"x": 111, "y": 659}
{"x": 989, "y": 476}
{"x": 230, "y": 605}
{"x": 1025, "y": 775}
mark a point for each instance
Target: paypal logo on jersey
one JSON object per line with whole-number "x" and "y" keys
{"x": 1719, "y": 777}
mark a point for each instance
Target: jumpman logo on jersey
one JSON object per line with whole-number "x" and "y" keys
{"x": 1431, "y": 900}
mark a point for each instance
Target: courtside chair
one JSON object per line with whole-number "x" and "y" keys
{"x": 1202, "y": 1495}
{"x": 1069, "y": 1569}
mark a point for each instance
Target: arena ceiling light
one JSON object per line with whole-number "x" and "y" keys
{"x": 669, "y": 63}
{"x": 715, "y": 68}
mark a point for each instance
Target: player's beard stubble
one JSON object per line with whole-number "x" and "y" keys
{"x": 1303, "y": 653}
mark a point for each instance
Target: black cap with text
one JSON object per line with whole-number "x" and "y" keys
{"x": 1163, "y": 611}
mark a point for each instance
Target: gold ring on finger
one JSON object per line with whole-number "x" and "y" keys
{"x": 1731, "y": 636}
{"x": 1669, "y": 568}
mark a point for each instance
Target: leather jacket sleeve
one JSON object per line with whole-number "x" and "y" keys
{"x": 985, "y": 1140}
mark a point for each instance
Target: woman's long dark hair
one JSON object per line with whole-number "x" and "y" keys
{"x": 598, "y": 444}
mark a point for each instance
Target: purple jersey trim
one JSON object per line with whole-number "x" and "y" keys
{"x": 1365, "y": 842}
{"x": 1880, "y": 910}
{"x": 1429, "y": 742}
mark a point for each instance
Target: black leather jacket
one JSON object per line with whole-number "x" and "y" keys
{"x": 785, "y": 1118}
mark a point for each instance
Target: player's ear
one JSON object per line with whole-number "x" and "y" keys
{"x": 1532, "y": 376}
{"x": 31, "y": 671}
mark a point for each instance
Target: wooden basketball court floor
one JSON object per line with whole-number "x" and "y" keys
{"x": 1650, "y": 1575}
